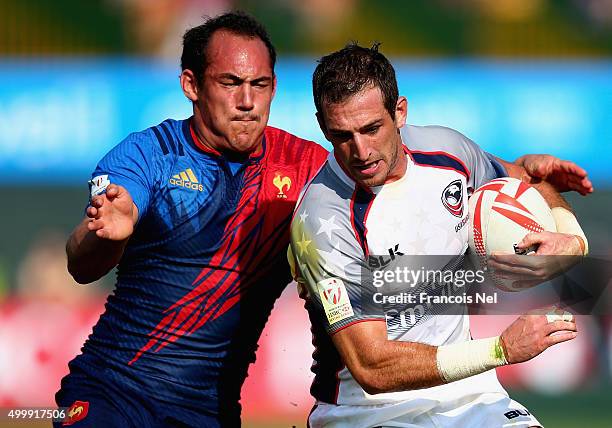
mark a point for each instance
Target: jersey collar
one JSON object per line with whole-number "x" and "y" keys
{"x": 338, "y": 169}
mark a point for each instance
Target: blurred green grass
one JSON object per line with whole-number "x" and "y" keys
{"x": 588, "y": 409}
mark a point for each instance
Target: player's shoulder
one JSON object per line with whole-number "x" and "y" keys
{"x": 440, "y": 144}
{"x": 291, "y": 148}
{"x": 164, "y": 139}
{"x": 432, "y": 138}
{"x": 327, "y": 194}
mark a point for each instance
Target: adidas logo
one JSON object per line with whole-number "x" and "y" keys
{"x": 186, "y": 179}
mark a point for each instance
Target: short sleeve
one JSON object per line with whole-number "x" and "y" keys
{"x": 329, "y": 263}
{"x": 481, "y": 166}
{"x": 129, "y": 164}
{"x": 484, "y": 166}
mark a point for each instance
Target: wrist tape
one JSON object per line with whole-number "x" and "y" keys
{"x": 460, "y": 360}
{"x": 566, "y": 223}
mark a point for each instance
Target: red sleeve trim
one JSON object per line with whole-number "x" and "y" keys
{"x": 356, "y": 322}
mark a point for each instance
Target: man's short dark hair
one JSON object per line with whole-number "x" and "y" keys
{"x": 196, "y": 40}
{"x": 346, "y": 72}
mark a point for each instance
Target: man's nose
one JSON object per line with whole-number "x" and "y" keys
{"x": 360, "y": 148}
{"x": 245, "y": 98}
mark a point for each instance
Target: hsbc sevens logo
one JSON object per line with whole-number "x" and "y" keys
{"x": 333, "y": 292}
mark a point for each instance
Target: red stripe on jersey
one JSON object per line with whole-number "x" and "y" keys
{"x": 253, "y": 237}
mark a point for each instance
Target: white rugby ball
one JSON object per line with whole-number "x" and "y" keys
{"x": 502, "y": 212}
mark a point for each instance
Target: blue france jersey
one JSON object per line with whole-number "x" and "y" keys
{"x": 201, "y": 272}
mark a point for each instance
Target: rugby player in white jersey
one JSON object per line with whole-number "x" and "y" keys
{"x": 380, "y": 193}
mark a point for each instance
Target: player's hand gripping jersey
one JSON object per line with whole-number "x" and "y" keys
{"x": 339, "y": 229}
{"x": 203, "y": 267}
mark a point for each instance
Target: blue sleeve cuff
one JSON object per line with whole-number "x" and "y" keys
{"x": 500, "y": 171}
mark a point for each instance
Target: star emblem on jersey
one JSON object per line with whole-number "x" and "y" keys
{"x": 303, "y": 245}
{"x": 328, "y": 226}
{"x": 452, "y": 198}
{"x": 281, "y": 182}
{"x": 328, "y": 258}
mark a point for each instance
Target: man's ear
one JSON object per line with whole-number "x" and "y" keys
{"x": 273, "y": 86}
{"x": 401, "y": 112}
{"x": 189, "y": 85}
{"x": 322, "y": 124}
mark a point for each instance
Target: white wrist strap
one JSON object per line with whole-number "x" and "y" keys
{"x": 465, "y": 359}
{"x": 566, "y": 223}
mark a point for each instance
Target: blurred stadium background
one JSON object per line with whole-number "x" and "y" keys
{"x": 76, "y": 77}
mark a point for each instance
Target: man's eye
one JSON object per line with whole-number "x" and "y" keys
{"x": 373, "y": 130}
{"x": 341, "y": 137}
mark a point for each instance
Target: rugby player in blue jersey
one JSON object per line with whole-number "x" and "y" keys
{"x": 195, "y": 213}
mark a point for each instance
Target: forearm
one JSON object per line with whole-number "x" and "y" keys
{"x": 90, "y": 257}
{"x": 390, "y": 366}
{"x": 551, "y": 196}
{"x": 397, "y": 366}
{"x": 381, "y": 365}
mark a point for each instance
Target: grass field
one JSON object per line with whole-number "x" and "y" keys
{"x": 592, "y": 409}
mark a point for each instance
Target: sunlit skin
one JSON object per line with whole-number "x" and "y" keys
{"x": 231, "y": 106}
{"x": 365, "y": 137}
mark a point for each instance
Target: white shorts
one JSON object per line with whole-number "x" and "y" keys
{"x": 489, "y": 410}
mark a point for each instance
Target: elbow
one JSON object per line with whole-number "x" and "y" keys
{"x": 373, "y": 388}
{"x": 79, "y": 275}
{"x": 370, "y": 382}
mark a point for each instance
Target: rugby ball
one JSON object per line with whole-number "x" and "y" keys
{"x": 502, "y": 212}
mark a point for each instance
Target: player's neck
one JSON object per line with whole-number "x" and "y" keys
{"x": 400, "y": 168}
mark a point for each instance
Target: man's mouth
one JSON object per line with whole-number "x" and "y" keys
{"x": 369, "y": 168}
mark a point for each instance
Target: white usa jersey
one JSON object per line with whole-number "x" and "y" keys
{"x": 340, "y": 229}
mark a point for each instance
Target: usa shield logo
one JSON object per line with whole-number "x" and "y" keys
{"x": 452, "y": 198}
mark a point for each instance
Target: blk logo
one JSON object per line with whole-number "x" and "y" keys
{"x": 377, "y": 262}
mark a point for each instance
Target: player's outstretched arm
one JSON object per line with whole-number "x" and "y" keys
{"x": 547, "y": 189}
{"x": 97, "y": 243}
{"x": 564, "y": 175}
{"x": 381, "y": 365}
